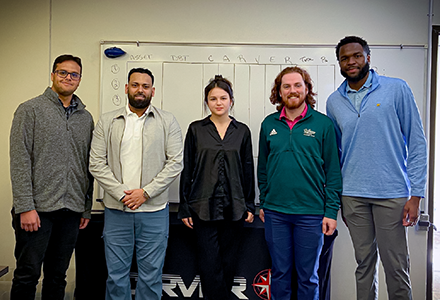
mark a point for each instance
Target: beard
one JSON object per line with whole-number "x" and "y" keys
{"x": 140, "y": 104}
{"x": 295, "y": 104}
{"x": 362, "y": 73}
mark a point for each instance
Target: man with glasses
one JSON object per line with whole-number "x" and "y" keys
{"x": 52, "y": 188}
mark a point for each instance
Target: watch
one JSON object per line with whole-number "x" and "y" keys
{"x": 146, "y": 196}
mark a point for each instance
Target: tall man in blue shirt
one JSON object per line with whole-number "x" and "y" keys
{"x": 384, "y": 164}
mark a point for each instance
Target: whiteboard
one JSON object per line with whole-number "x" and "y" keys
{"x": 182, "y": 71}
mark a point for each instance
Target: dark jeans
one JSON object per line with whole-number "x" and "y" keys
{"x": 51, "y": 246}
{"x": 217, "y": 246}
{"x": 294, "y": 241}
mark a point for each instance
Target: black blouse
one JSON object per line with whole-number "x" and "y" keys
{"x": 217, "y": 181}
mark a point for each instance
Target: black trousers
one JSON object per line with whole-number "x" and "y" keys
{"x": 51, "y": 246}
{"x": 218, "y": 243}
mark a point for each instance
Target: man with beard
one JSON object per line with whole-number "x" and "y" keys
{"x": 136, "y": 154}
{"x": 384, "y": 164}
{"x": 51, "y": 186}
{"x": 300, "y": 184}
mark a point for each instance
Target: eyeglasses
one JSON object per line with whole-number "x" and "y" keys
{"x": 63, "y": 74}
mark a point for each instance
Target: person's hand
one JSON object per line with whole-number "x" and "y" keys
{"x": 134, "y": 198}
{"x": 30, "y": 221}
{"x": 411, "y": 211}
{"x": 328, "y": 226}
{"x": 83, "y": 223}
{"x": 261, "y": 215}
{"x": 188, "y": 222}
{"x": 250, "y": 217}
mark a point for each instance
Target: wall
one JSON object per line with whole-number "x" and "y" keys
{"x": 33, "y": 33}
{"x": 25, "y": 59}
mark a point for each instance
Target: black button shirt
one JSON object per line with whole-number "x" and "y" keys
{"x": 217, "y": 181}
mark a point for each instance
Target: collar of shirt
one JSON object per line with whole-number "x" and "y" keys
{"x": 207, "y": 121}
{"x": 130, "y": 113}
{"x": 71, "y": 108}
{"x": 290, "y": 122}
{"x": 356, "y": 97}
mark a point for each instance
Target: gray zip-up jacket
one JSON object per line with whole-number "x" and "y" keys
{"x": 49, "y": 156}
{"x": 162, "y": 154}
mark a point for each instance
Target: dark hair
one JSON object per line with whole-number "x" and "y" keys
{"x": 352, "y": 39}
{"x": 143, "y": 71}
{"x": 222, "y": 83}
{"x": 66, "y": 57}
{"x": 275, "y": 97}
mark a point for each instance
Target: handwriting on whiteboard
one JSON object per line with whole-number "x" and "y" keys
{"x": 141, "y": 57}
{"x": 227, "y": 58}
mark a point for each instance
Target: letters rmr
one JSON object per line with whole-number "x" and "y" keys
{"x": 173, "y": 282}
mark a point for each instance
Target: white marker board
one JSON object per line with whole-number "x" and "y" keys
{"x": 182, "y": 71}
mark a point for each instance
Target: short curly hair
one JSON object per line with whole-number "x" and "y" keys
{"x": 352, "y": 39}
{"x": 275, "y": 97}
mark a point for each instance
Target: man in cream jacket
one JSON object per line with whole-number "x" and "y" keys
{"x": 136, "y": 154}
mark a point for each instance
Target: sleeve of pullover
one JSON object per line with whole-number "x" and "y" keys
{"x": 333, "y": 178}
{"x": 329, "y": 111}
{"x": 262, "y": 168}
{"x": 412, "y": 129}
{"x": 89, "y": 195}
{"x": 21, "y": 145}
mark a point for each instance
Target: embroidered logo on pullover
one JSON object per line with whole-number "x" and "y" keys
{"x": 309, "y": 132}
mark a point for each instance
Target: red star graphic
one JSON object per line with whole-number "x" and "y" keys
{"x": 262, "y": 284}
